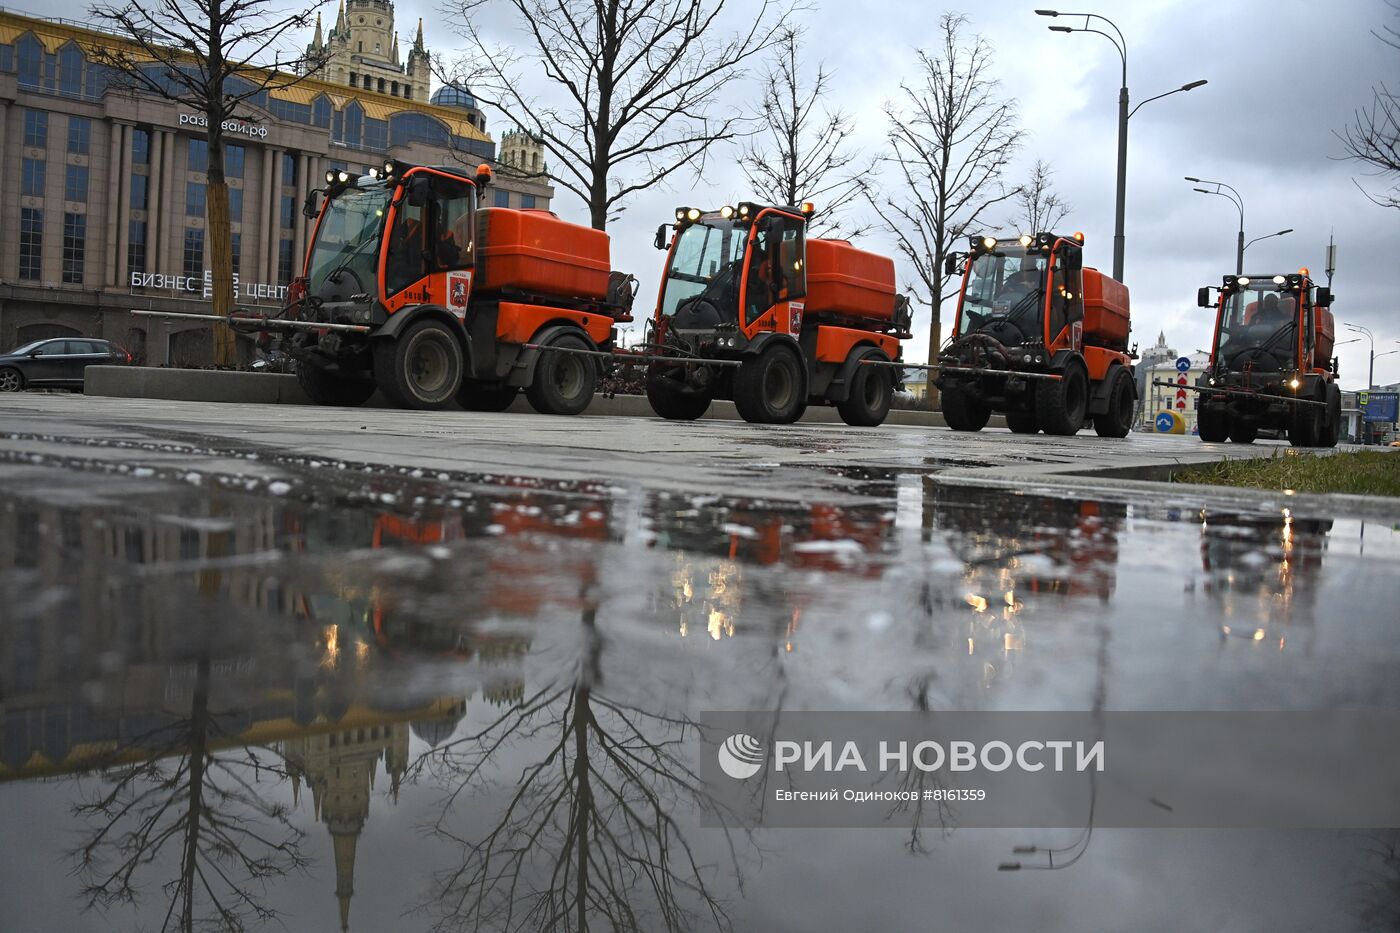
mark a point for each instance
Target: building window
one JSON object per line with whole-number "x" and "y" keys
{"x": 234, "y": 157}
{"x": 31, "y": 60}
{"x": 289, "y": 211}
{"x": 235, "y": 204}
{"x": 376, "y": 134}
{"x": 194, "y": 199}
{"x": 140, "y": 187}
{"x": 136, "y": 246}
{"x": 32, "y": 175}
{"x": 74, "y": 247}
{"x": 354, "y": 125}
{"x": 354, "y": 79}
{"x": 193, "y": 264}
{"x": 236, "y": 247}
{"x": 527, "y": 200}
{"x": 70, "y": 70}
{"x": 394, "y": 88}
{"x": 321, "y": 111}
{"x": 141, "y": 146}
{"x": 79, "y": 135}
{"x": 284, "y": 262}
{"x": 381, "y": 84}
{"x": 289, "y": 168}
{"x": 36, "y": 128}
{"x": 198, "y": 158}
{"x": 502, "y": 198}
{"x": 31, "y": 243}
{"x": 75, "y": 183}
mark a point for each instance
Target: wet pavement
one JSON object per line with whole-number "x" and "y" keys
{"x": 445, "y": 672}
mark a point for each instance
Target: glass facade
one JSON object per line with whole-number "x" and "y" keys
{"x": 75, "y": 183}
{"x": 141, "y": 146}
{"x": 235, "y": 204}
{"x": 501, "y": 198}
{"x": 140, "y": 191}
{"x": 33, "y": 173}
{"x": 289, "y": 168}
{"x": 288, "y": 213}
{"x": 527, "y": 201}
{"x": 236, "y": 248}
{"x": 79, "y": 135}
{"x": 192, "y": 259}
{"x": 194, "y": 199}
{"x": 285, "y": 254}
{"x": 197, "y": 159}
{"x": 234, "y": 157}
{"x": 136, "y": 246}
{"x": 36, "y": 129}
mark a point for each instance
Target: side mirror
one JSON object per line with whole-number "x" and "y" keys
{"x": 1324, "y": 297}
{"x": 1203, "y": 297}
{"x": 663, "y": 239}
{"x": 418, "y": 189}
{"x": 1073, "y": 260}
{"x": 312, "y": 206}
{"x": 951, "y": 263}
{"x": 35, "y": 354}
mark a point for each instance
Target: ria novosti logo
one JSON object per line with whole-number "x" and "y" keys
{"x": 741, "y": 756}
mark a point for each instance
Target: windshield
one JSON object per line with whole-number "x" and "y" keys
{"x": 27, "y": 348}
{"x": 348, "y": 236}
{"x": 706, "y": 260}
{"x": 1005, "y": 288}
{"x": 1258, "y": 328}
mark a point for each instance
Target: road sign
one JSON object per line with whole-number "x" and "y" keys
{"x": 1181, "y": 380}
{"x": 1362, "y": 398}
{"x": 1170, "y": 422}
{"x": 1381, "y": 407}
{"x": 1183, "y": 363}
{"x": 1181, "y": 404}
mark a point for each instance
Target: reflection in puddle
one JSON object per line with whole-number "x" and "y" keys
{"x": 238, "y": 697}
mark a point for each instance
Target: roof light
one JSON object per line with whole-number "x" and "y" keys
{"x": 743, "y": 210}
{"x": 1303, "y": 271}
{"x": 373, "y": 172}
{"x": 343, "y": 177}
{"x": 808, "y": 208}
{"x": 1279, "y": 280}
{"x": 1027, "y": 240}
{"x": 989, "y": 242}
{"x": 693, "y": 214}
{"x": 388, "y": 167}
{"x": 330, "y": 176}
{"x": 726, "y": 212}
{"x": 1079, "y": 236}
{"x": 680, "y": 215}
{"x": 1243, "y": 280}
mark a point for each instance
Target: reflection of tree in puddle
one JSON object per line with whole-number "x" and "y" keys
{"x": 1018, "y": 551}
{"x": 1262, "y": 570}
{"x": 590, "y": 835}
{"x": 1377, "y": 890}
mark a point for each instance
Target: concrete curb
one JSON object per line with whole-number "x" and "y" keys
{"x": 208, "y": 385}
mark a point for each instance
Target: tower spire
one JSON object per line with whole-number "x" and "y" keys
{"x": 340, "y": 20}
{"x": 316, "y": 41}
{"x": 418, "y": 42}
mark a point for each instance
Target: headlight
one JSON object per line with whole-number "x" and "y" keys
{"x": 1026, "y": 358}
{"x": 726, "y": 212}
{"x": 1294, "y": 383}
{"x": 1243, "y": 280}
{"x": 1279, "y": 280}
{"x": 330, "y": 176}
{"x": 1027, "y": 240}
{"x": 989, "y": 242}
{"x": 693, "y": 214}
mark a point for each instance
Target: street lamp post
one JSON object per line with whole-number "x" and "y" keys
{"x": 1265, "y": 237}
{"x": 1370, "y": 372}
{"x": 1124, "y": 114}
{"x": 1234, "y": 198}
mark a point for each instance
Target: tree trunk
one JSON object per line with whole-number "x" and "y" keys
{"x": 220, "y": 251}
{"x": 935, "y": 341}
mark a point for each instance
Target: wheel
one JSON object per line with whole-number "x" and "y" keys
{"x": 1022, "y": 422}
{"x": 963, "y": 411}
{"x": 328, "y": 388}
{"x": 670, "y": 402}
{"x": 1118, "y": 420}
{"x": 1060, "y": 404}
{"x": 1332, "y": 425}
{"x": 1242, "y": 433}
{"x": 871, "y": 393}
{"x": 1213, "y": 424}
{"x": 564, "y": 383}
{"x": 473, "y": 396}
{"x": 771, "y": 388}
{"x": 421, "y": 368}
{"x": 11, "y": 380}
{"x": 1306, "y": 429}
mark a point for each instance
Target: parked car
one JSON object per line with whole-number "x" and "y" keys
{"x": 57, "y": 362}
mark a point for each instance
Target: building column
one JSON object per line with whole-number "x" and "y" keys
{"x": 172, "y": 226}
{"x": 114, "y": 192}
{"x": 124, "y": 204}
{"x": 154, "y": 205}
{"x": 275, "y": 215}
{"x": 303, "y": 186}
{"x": 266, "y": 222}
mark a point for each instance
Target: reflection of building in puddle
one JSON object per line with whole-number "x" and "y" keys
{"x": 1017, "y": 552}
{"x": 1261, "y": 570}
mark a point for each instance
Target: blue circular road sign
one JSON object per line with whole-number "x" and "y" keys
{"x": 1165, "y": 422}
{"x": 1183, "y": 363}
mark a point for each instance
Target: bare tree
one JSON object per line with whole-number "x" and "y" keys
{"x": 1040, "y": 206}
{"x": 1373, "y": 138}
{"x": 802, "y": 151}
{"x": 633, "y": 85}
{"x": 211, "y": 56}
{"x": 951, "y": 138}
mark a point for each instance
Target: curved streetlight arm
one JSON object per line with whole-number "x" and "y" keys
{"x": 1178, "y": 90}
{"x": 1267, "y": 236}
{"x": 1220, "y": 194}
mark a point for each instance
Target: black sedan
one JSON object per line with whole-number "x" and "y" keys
{"x": 57, "y": 362}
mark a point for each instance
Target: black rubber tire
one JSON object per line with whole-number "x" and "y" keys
{"x": 1122, "y": 402}
{"x": 1306, "y": 429}
{"x": 871, "y": 394}
{"x": 771, "y": 388}
{"x": 327, "y": 388}
{"x": 473, "y": 396}
{"x": 1022, "y": 422}
{"x": 1242, "y": 433}
{"x": 1213, "y": 424}
{"x": 11, "y": 380}
{"x": 671, "y": 403}
{"x": 1060, "y": 404}
{"x": 421, "y": 369}
{"x": 963, "y": 411}
{"x": 1332, "y": 424}
{"x": 564, "y": 383}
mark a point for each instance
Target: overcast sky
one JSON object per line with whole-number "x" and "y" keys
{"x": 1284, "y": 74}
